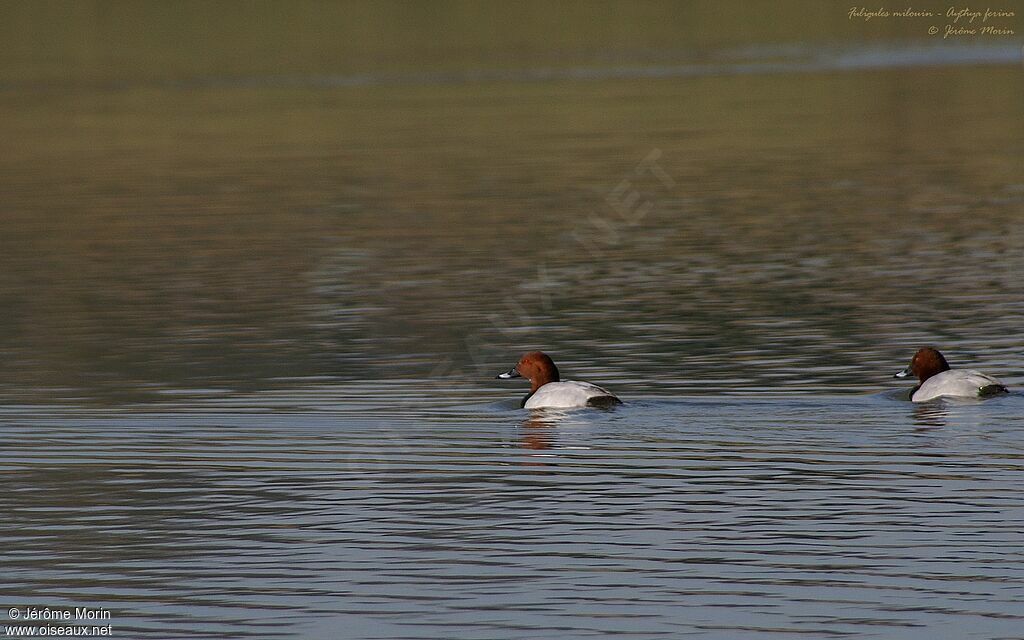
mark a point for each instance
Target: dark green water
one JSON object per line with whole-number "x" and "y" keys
{"x": 260, "y": 262}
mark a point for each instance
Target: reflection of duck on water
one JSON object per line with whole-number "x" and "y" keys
{"x": 930, "y": 415}
{"x": 538, "y": 432}
{"x": 545, "y": 431}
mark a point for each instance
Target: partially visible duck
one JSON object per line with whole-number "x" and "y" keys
{"x": 546, "y": 390}
{"x": 938, "y": 380}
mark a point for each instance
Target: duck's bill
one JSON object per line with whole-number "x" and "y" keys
{"x": 903, "y": 374}
{"x": 511, "y": 373}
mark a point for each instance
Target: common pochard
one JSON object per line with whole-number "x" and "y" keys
{"x": 546, "y": 390}
{"x": 937, "y": 380}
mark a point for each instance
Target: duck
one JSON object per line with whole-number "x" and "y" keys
{"x": 547, "y": 390}
{"x": 937, "y": 380}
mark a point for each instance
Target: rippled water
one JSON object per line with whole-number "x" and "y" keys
{"x": 252, "y": 311}
{"x": 377, "y": 511}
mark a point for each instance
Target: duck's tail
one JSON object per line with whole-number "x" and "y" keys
{"x": 992, "y": 390}
{"x": 603, "y": 402}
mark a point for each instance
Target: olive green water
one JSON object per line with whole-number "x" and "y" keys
{"x": 259, "y": 264}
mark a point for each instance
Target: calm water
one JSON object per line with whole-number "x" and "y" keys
{"x": 252, "y": 301}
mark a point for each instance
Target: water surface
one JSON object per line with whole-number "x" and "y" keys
{"x": 253, "y": 305}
